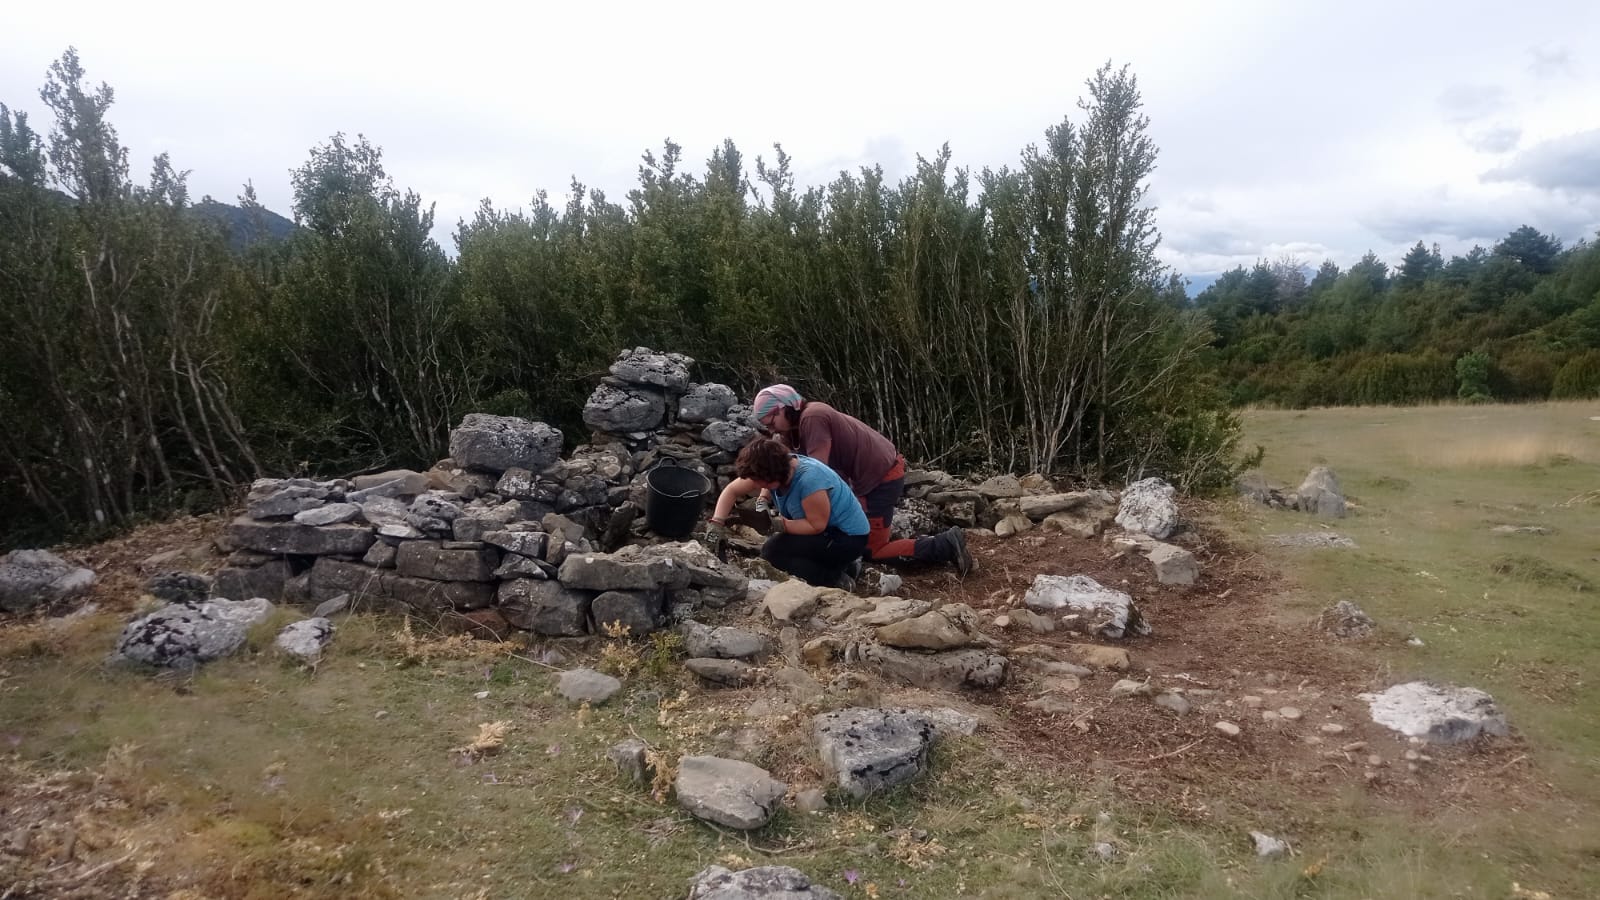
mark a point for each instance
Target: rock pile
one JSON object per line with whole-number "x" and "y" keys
{"x": 1319, "y": 494}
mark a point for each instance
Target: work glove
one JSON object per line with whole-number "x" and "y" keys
{"x": 763, "y": 505}
{"x": 715, "y": 535}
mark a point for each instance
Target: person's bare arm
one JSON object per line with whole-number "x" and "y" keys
{"x": 817, "y": 508}
{"x": 737, "y": 490}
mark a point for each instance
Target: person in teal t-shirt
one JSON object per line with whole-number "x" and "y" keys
{"x": 819, "y": 530}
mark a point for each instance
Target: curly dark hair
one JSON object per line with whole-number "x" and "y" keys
{"x": 763, "y": 459}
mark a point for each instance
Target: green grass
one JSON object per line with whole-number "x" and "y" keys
{"x": 264, "y": 779}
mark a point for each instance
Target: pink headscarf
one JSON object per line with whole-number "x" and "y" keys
{"x": 770, "y": 398}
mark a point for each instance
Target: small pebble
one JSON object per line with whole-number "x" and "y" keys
{"x": 380, "y": 714}
{"x": 1289, "y": 712}
{"x": 1332, "y": 728}
{"x": 1227, "y": 728}
{"x": 482, "y": 695}
{"x": 1413, "y": 755}
{"x": 1375, "y": 761}
{"x": 1270, "y": 715}
{"x": 1354, "y": 747}
{"x": 1413, "y": 768}
{"x": 1250, "y": 701}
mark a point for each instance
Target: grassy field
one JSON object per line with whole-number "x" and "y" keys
{"x": 257, "y": 778}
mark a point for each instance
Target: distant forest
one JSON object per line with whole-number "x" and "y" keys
{"x": 1518, "y": 321}
{"x": 156, "y": 353}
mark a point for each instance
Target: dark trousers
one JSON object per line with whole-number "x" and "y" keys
{"x": 816, "y": 559}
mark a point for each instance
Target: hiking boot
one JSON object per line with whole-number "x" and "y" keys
{"x": 845, "y": 582}
{"x": 961, "y": 556}
{"x": 854, "y": 569}
{"x": 948, "y": 546}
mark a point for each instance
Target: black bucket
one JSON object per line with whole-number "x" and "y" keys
{"x": 676, "y": 496}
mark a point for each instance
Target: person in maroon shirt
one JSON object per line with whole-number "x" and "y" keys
{"x": 868, "y": 462}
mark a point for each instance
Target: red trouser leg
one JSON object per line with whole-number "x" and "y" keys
{"x": 879, "y": 505}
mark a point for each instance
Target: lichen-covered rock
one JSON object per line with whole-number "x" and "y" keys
{"x": 622, "y": 409}
{"x": 728, "y": 436}
{"x": 644, "y": 366}
{"x": 1149, "y": 507}
{"x": 914, "y": 518}
{"x": 760, "y": 883}
{"x": 1108, "y": 612}
{"x": 705, "y": 402}
{"x": 305, "y": 639}
{"x": 869, "y": 750}
{"x": 30, "y": 578}
{"x": 184, "y": 635}
{"x": 179, "y": 587}
{"x": 497, "y": 443}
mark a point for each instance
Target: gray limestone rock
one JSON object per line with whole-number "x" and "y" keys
{"x": 305, "y": 639}
{"x": 1148, "y": 507}
{"x": 1441, "y": 713}
{"x": 498, "y": 443}
{"x": 641, "y": 365}
{"x": 545, "y": 607}
{"x": 728, "y": 792}
{"x": 705, "y": 402}
{"x": 1320, "y": 494}
{"x": 184, "y": 635}
{"x": 587, "y": 686}
{"x": 869, "y": 750}
{"x": 1110, "y": 613}
{"x": 760, "y": 883}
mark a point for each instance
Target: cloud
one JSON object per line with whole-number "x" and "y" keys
{"x": 1495, "y": 139}
{"x": 1552, "y": 62}
{"x": 1478, "y": 217}
{"x": 1567, "y": 163}
{"x": 1470, "y": 102}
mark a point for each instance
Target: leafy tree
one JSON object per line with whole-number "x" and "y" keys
{"x": 1472, "y": 374}
{"x": 1536, "y": 251}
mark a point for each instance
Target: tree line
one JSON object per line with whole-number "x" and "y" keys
{"x": 1515, "y": 322}
{"x": 150, "y": 360}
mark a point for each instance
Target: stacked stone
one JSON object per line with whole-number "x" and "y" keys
{"x": 503, "y": 534}
{"x": 649, "y": 407}
{"x": 1006, "y": 504}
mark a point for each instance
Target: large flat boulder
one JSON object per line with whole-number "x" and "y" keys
{"x": 949, "y": 669}
{"x": 497, "y": 443}
{"x": 728, "y": 792}
{"x": 282, "y": 538}
{"x": 869, "y": 750}
{"x": 30, "y": 578}
{"x": 435, "y": 561}
{"x": 422, "y": 597}
{"x": 1443, "y": 714}
{"x": 184, "y": 635}
{"x": 641, "y": 365}
{"x": 630, "y": 569}
{"x": 950, "y": 626}
{"x": 1107, "y": 612}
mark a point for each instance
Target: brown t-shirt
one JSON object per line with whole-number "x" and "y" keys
{"x": 859, "y": 454}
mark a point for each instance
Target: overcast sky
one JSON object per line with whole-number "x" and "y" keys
{"x": 1283, "y": 129}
